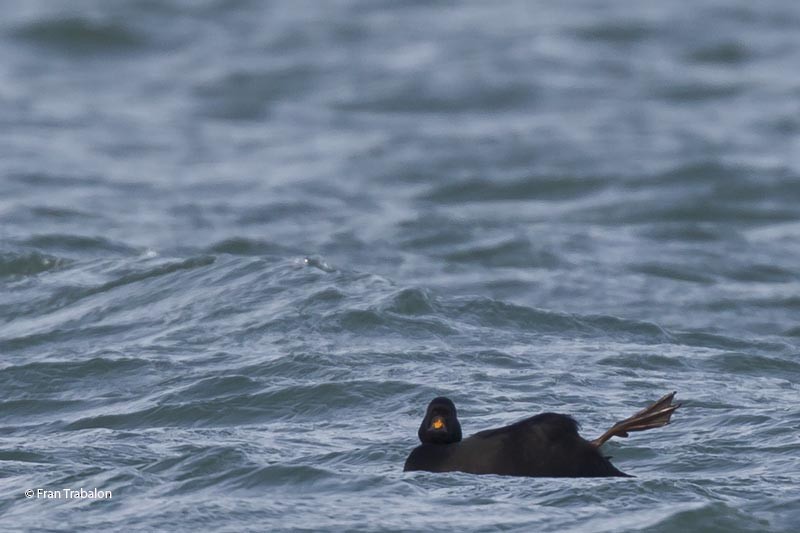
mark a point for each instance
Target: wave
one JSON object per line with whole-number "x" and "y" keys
{"x": 20, "y": 264}
{"x": 543, "y": 188}
{"x": 81, "y": 36}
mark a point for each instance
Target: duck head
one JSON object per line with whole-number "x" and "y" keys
{"x": 440, "y": 425}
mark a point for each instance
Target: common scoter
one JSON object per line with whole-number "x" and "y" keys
{"x": 545, "y": 445}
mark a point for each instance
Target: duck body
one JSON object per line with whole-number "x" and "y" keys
{"x": 545, "y": 445}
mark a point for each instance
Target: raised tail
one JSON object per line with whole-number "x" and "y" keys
{"x": 653, "y": 416}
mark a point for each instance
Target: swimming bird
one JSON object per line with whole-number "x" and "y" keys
{"x": 544, "y": 445}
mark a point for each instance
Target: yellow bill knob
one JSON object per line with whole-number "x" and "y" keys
{"x": 437, "y": 423}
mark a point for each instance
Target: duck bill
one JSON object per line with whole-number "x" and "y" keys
{"x": 437, "y": 424}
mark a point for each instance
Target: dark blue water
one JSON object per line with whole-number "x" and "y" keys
{"x": 243, "y": 244}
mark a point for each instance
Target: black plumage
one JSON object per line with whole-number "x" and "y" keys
{"x": 544, "y": 445}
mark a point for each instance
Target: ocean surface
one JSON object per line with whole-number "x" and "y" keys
{"x": 243, "y": 243}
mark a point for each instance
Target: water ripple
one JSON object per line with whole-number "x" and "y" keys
{"x": 81, "y": 36}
